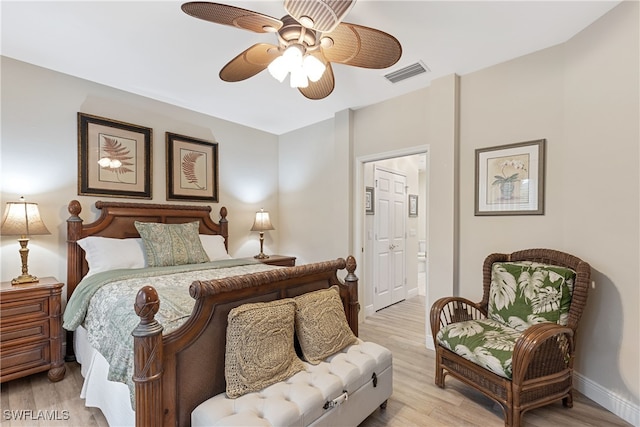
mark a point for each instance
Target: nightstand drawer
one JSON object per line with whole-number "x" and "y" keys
{"x": 27, "y": 308}
{"x": 18, "y": 360}
{"x": 23, "y": 333}
{"x": 31, "y": 329}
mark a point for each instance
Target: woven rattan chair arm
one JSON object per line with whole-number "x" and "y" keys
{"x": 545, "y": 349}
{"x": 448, "y": 310}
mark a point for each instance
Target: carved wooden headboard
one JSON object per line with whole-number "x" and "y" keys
{"x": 117, "y": 221}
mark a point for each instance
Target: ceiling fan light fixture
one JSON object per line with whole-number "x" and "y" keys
{"x": 298, "y": 78}
{"x": 278, "y": 69}
{"x": 313, "y": 67}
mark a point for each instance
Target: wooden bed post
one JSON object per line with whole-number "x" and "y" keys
{"x": 74, "y": 263}
{"x": 148, "y": 369}
{"x": 351, "y": 281}
{"x": 224, "y": 226}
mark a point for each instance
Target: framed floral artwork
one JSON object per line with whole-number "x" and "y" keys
{"x": 510, "y": 179}
{"x": 192, "y": 169}
{"x": 114, "y": 158}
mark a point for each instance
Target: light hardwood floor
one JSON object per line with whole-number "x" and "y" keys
{"x": 416, "y": 401}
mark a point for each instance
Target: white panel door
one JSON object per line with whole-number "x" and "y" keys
{"x": 389, "y": 232}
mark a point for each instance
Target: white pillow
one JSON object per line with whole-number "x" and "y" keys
{"x": 104, "y": 253}
{"x": 214, "y": 246}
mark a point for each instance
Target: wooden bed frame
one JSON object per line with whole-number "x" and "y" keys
{"x": 176, "y": 372}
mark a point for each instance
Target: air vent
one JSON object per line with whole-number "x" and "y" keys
{"x": 407, "y": 72}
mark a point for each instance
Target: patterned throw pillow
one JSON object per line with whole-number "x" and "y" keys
{"x": 526, "y": 293}
{"x": 260, "y": 349}
{"x": 321, "y": 325}
{"x": 171, "y": 244}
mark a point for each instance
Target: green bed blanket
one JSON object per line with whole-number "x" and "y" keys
{"x": 103, "y": 305}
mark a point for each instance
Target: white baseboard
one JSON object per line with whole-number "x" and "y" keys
{"x": 368, "y": 310}
{"x": 624, "y": 409}
{"x": 429, "y": 342}
{"x": 412, "y": 293}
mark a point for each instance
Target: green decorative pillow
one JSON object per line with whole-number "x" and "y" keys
{"x": 260, "y": 349}
{"x": 171, "y": 244}
{"x": 321, "y": 325}
{"x": 525, "y": 293}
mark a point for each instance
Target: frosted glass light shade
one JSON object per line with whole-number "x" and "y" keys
{"x": 313, "y": 67}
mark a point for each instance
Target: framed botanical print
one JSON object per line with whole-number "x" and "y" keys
{"x": 413, "y": 205}
{"x": 192, "y": 169}
{"x": 510, "y": 179}
{"x": 369, "y": 201}
{"x": 114, "y": 158}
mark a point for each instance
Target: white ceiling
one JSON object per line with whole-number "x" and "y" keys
{"x": 153, "y": 49}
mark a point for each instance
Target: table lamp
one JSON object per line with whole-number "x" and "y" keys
{"x": 262, "y": 223}
{"x": 23, "y": 219}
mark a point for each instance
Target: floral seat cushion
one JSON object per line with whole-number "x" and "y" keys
{"x": 485, "y": 342}
{"x": 526, "y": 293}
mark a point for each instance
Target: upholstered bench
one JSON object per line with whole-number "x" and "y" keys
{"x": 342, "y": 390}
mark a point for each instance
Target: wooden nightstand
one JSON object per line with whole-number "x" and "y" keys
{"x": 281, "y": 260}
{"x": 31, "y": 329}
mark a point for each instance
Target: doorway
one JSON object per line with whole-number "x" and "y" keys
{"x": 413, "y": 164}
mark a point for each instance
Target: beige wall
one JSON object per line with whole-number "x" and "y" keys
{"x": 582, "y": 97}
{"x": 39, "y": 159}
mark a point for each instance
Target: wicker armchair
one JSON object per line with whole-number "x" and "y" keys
{"x": 542, "y": 355}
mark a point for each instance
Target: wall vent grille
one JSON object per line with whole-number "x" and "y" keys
{"x": 407, "y": 72}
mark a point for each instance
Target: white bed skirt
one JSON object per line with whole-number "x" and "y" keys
{"x": 112, "y": 398}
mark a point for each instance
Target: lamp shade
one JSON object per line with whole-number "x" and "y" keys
{"x": 22, "y": 219}
{"x": 262, "y": 222}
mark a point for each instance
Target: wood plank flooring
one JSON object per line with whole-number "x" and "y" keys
{"x": 416, "y": 401}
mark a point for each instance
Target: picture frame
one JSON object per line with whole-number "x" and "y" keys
{"x": 510, "y": 179}
{"x": 413, "y": 205}
{"x": 369, "y": 201}
{"x": 192, "y": 169}
{"x": 114, "y": 158}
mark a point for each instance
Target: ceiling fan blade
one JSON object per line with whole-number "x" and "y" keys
{"x": 231, "y": 15}
{"x": 249, "y": 63}
{"x": 362, "y": 47}
{"x": 319, "y": 15}
{"x": 323, "y": 87}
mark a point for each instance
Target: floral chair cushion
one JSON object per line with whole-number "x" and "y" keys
{"x": 526, "y": 293}
{"x": 485, "y": 342}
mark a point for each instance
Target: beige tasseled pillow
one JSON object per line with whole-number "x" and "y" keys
{"x": 321, "y": 325}
{"x": 260, "y": 349}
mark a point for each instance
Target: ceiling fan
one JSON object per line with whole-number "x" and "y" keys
{"x": 310, "y": 37}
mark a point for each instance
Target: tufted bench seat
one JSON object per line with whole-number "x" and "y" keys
{"x": 313, "y": 397}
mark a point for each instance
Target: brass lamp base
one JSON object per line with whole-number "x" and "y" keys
{"x": 261, "y": 255}
{"x": 25, "y": 278}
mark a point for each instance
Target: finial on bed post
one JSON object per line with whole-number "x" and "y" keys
{"x": 351, "y": 280}
{"x": 148, "y": 368}
{"x": 224, "y": 226}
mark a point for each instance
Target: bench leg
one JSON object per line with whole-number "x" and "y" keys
{"x": 383, "y": 405}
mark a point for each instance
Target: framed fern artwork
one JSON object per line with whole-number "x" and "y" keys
{"x": 114, "y": 158}
{"x": 192, "y": 169}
